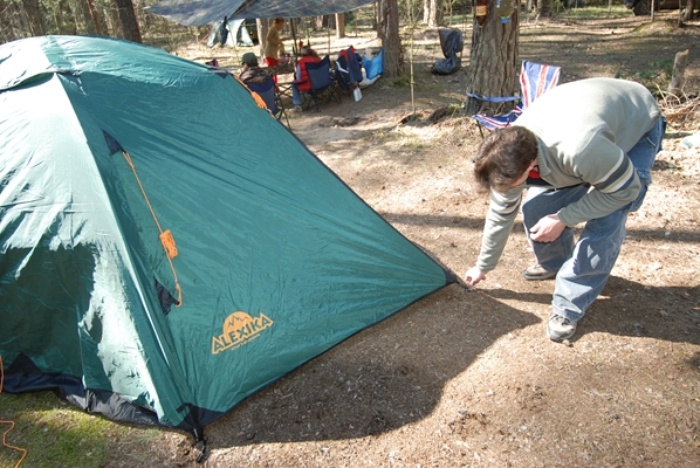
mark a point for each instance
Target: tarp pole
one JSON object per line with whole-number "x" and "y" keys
{"x": 293, "y": 27}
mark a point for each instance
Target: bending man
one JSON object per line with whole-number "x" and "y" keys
{"x": 584, "y": 150}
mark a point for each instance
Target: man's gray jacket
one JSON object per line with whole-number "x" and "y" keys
{"x": 584, "y": 130}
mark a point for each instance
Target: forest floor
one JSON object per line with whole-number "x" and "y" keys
{"x": 468, "y": 377}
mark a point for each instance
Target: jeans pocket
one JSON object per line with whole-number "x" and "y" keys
{"x": 644, "y": 153}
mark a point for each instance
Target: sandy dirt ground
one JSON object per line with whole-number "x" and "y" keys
{"x": 468, "y": 377}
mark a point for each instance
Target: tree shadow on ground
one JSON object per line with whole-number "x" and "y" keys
{"x": 383, "y": 378}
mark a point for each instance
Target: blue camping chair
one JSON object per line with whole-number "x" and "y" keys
{"x": 535, "y": 80}
{"x": 268, "y": 93}
{"x": 323, "y": 86}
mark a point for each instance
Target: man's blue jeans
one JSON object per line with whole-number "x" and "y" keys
{"x": 585, "y": 266}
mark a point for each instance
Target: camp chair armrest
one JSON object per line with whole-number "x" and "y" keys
{"x": 493, "y": 99}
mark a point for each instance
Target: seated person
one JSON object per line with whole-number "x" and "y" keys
{"x": 302, "y": 83}
{"x": 252, "y": 72}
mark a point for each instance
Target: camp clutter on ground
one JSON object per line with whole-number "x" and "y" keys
{"x": 229, "y": 29}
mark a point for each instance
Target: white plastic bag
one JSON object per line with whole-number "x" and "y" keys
{"x": 357, "y": 94}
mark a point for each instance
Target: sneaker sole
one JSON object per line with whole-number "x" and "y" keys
{"x": 558, "y": 337}
{"x": 539, "y": 276}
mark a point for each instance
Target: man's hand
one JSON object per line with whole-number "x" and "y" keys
{"x": 473, "y": 276}
{"x": 547, "y": 229}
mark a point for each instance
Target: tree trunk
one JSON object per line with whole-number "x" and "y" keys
{"x": 97, "y": 23}
{"x": 434, "y": 10}
{"x": 115, "y": 28}
{"x": 689, "y": 6}
{"x": 389, "y": 34}
{"x": 678, "y": 77}
{"x": 375, "y": 18}
{"x": 263, "y": 28}
{"x": 6, "y": 23}
{"x": 65, "y": 19}
{"x": 13, "y": 21}
{"x": 35, "y": 16}
{"x": 544, "y": 8}
{"x": 84, "y": 16}
{"x": 339, "y": 25}
{"x": 493, "y": 69}
{"x": 127, "y": 18}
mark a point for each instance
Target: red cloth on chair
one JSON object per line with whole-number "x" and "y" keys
{"x": 302, "y": 79}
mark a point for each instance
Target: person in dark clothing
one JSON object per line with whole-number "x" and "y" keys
{"x": 252, "y": 72}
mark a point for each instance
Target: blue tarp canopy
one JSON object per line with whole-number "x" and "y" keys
{"x": 202, "y": 12}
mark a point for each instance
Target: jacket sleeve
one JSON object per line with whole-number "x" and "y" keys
{"x": 613, "y": 179}
{"x": 503, "y": 209}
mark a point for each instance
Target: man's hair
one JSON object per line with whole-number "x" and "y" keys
{"x": 503, "y": 157}
{"x": 279, "y": 20}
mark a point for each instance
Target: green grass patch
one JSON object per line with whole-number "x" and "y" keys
{"x": 54, "y": 433}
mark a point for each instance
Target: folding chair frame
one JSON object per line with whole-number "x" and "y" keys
{"x": 326, "y": 86}
{"x": 269, "y": 93}
{"x": 535, "y": 79}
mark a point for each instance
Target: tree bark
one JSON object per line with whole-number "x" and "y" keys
{"x": 493, "y": 69}
{"x": 97, "y": 23}
{"x": 434, "y": 13}
{"x": 35, "y": 16}
{"x": 127, "y": 18}
{"x": 263, "y": 28}
{"x": 544, "y": 8}
{"x": 339, "y": 25}
{"x": 678, "y": 77}
{"x": 115, "y": 26}
{"x": 85, "y": 17}
{"x": 13, "y": 21}
{"x": 689, "y": 7}
{"x": 66, "y": 19}
{"x": 389, "y": 34}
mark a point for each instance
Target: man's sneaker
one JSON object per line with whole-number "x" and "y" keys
{"x": 297, "y": 109}
{"x": 537, "y": 273}
{"x": 560, "y": 328}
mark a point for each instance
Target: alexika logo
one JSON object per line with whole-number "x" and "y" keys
{"x": 239, "y": 328}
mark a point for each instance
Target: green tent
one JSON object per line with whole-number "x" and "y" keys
{"x": 167, "y": 248}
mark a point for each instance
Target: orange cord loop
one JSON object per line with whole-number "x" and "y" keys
{"x": 166, "y": 237}
{"x": 11, "y": 423}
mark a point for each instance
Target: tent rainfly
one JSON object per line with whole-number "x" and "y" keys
{"x": 166, "y": 247}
